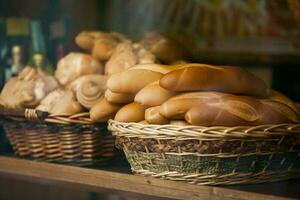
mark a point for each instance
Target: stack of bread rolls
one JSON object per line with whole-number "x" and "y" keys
{"x": 193, "y": 94}
{"x": 122, "y": 80}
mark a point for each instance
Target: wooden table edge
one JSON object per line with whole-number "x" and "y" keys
{"x": 97, "y": 180}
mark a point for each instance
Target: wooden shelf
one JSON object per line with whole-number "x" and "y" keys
{"x": 99, "y": 180}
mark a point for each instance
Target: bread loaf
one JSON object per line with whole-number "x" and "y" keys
{"x": 100, "y": 44}
{"x": 103, "y": 110}
{"x": 135, "y": 78}
{"x": 89, "y": 89}
{"x": 221, "y": 109}
{"x": 28, "y": 89}
{"x": 133, "y": 112}
{"x": 200, "y": 77}
{"x": 163, "y": 48}
{"x": 126, "y": 55}
{"x": 75, "y": 65}
{"x": 122, "y": 98}
{"x": 152, "y": 116}
{"x": 277, "y": 96}
{"x": 153, "y": 95}
{"x": 122, "y": 58}
{"x": 179, "y": 122}
{"x": 60, "y": 102}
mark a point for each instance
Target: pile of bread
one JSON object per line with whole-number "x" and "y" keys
{"x": 119, "y": 79}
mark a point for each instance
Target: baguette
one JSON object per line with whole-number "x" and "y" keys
{"x": 152, "y": 116}
{"x": 153, "y": 95}
{"x": 221, "y": 109}
{"x": 133, "y": 112}
{"x": 118, "y": 97}
{"x": 135, "y": 78}
{"x": 103, "y": 110}
{"x": 201, "y": 77}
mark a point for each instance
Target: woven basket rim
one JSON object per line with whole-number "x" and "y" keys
{"x": 169, "y": 131}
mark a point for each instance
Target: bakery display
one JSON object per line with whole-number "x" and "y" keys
{"x": 123, "y": 80}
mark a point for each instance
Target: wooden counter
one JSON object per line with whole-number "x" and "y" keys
{"x": 99, "y": 180}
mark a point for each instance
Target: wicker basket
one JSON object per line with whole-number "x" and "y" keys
{"x": 73, "y": 140}
{"x": 211, "y": 155}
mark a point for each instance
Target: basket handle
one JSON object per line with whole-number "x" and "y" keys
{"x": 29, "y": 114}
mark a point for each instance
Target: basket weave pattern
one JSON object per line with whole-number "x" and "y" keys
{"x": 73, "y": 140}
{"x": 211, "y": 155}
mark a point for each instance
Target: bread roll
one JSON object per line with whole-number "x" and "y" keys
{"x": 153, "y": 95}
{"x": 143, "y": 122}
{"x": 85, "y": 39}
{"x": 28, "y": 89}
{"x": 101, "y": 44}
{"x": 103, "y": 110}
{"x": 133, "y": 112}
{"x": 75, "y": 65}
{"x": 179, "y": 122}
{"x": 89, "y": 89}
{"x": 118, "y": 97}
{"x": 277, "y": 96}
{"x": 200, "y": 77}
{"x": 135, "y": 78}
{"x": 104, "y": 45}
{"x": 153, "y": 116}
{"x": 163, "y": 48}
{"x": 221, "y": 109}
{"x": 60, "y": 102}
{"x": 122, "y": 58}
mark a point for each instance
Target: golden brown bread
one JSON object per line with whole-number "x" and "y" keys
{"x": 101, "y": 44}
{"x": 152, "y": 116}
{"x": 165, "y": 49}
{"x": 89, "y": 89}
{"x": 221, "y": 109}
{"x": 126, "y": 55}
{"x": 133, "y": 112}
{"x": 179, "y": 122}
{"x": 28, "y": 89}
{"x": 75, "y": 65}
{"x": 122, "y": 58}
{"x": 201, "y": 77}
{"x": 60, "y": 102}
{"x": 153, "y": 95}
{"x": 103, "y": 110}
{"x": 277, "y": 96}
{"x": 137, "y": 77}
{"x": 118, "y": 97}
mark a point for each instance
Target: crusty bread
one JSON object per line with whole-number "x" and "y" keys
{"x": 137, "y": 77}
{"x": 179, "y": 122}
{"x": 131, "y": 81}
{"x": 153, "y": 95}
{"x": 165, "y": 49}
{"x": 103, "y": 110}
{"x": 60, "y": 102}
{"x": 118, "y": 97}
{"x": 152, "y": 116}
{"x": 74, "y": 65}
{"x": 215, "y": 108}
{"x": 201, "y": 77}
{"x": 100, "y": 44}
{"x": 89, "y": 89}
{"x": 133, "y": 112}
